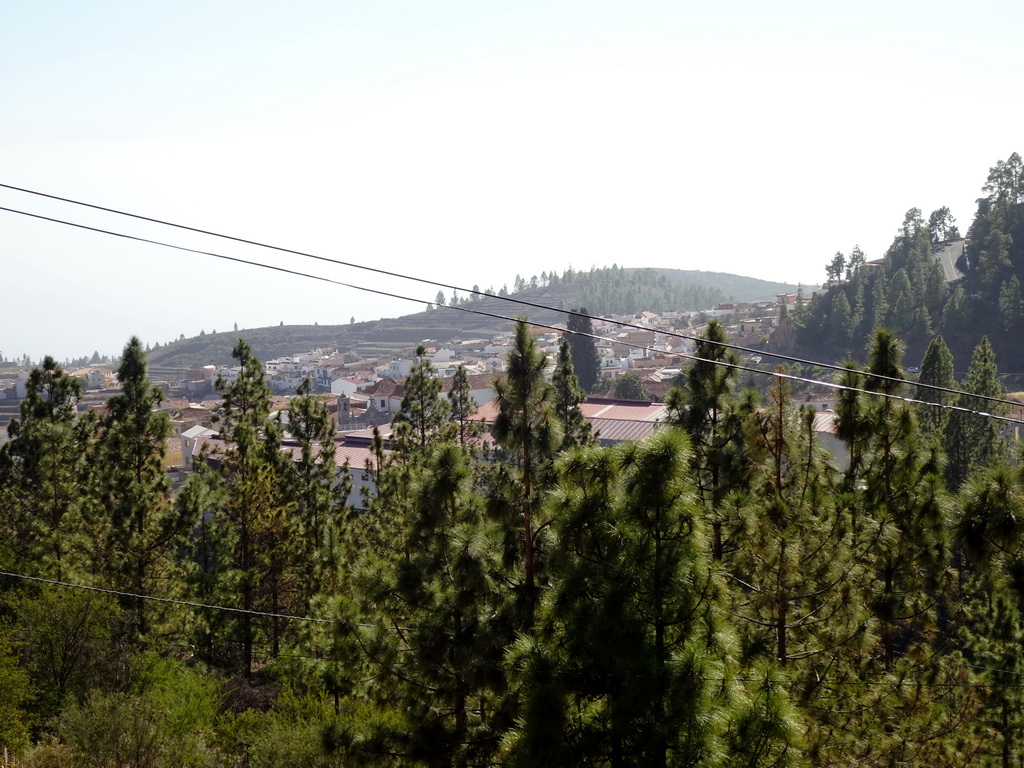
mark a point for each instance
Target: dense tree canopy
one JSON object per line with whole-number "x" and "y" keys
{"x": 757, "y": 583}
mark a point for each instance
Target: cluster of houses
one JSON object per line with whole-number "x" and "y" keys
{"x": 364, "y": 397}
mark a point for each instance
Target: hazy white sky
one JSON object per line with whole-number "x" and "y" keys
{"x": 471, "y": 141}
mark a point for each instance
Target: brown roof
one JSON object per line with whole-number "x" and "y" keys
{"x": 174, "y": 403}
{"x": 623, "y": 430}
{"x": 382, "y": 388}
{"x": 476, "y": 381}
{"x": 192, "y": 412}
{"x": 356, "y": 452}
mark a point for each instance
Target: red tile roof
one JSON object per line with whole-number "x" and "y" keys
{"x": 382, "y": 388}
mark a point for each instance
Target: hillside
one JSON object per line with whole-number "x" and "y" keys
{"x": 734, "y": 287}
{"x": 911, "y": 293}
{"x": 614, "y": 290}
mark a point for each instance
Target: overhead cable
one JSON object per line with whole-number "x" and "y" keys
{"x": 779, "y": 374}
{"x": 439, "y": 284}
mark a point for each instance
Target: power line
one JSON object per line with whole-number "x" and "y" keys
{"x": 263, "y": 614}
{"x": 536, "y": 324}
{"x": 168, "y": 600}
{"x": 438, "y": 284}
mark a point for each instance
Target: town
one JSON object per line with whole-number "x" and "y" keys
{"x": 646, "y": 348}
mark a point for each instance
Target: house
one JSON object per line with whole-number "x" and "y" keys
{"x": 481, "y": 387}
{"x": 347, "y": 386}
{"x": 826, "y": 433}
{"x": 190, "y": 440}
{"x": 614, "y": 421}
{"x": 380, "y": 396}
{"x": 91, "y": 378}
{"x": 352, "y": 453}
{"x": 174, "y": 456}
{"x": 396, "y": 369}
{"x": 190, "y": 416}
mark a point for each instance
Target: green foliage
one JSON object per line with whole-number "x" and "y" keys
{"x": 626, "y": 664}
{"x": 249, "y": 541}
{"x": 14, "y": 696}
{"x": 462, "y": 405}
{"x": 144, "y": 531}
{"x": 528, "y": 428}
{"x": 425, "y": 416}
{"x": 631, "y": 386}
{"x": 112, "y": 730}
{"x": 568, "y": 396}
{"x": 585, "y": 361}
{"x": 702, "y": 408}
{"x": 942, "y": 225}
{"x": 319, "y": 490}
{"x": 718, "y": 595}
{"x": 442, "y": 670}
{"x": 794, "y": 551}
{"x": 66, "y": 640}
{"x": 47, "y": 474}
{"x": 936, "y": 371}
{"x": 972, "y": 441}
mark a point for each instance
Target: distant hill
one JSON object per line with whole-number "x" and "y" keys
{"x": 735, "y": 287}
{"x": 615, "y": 290}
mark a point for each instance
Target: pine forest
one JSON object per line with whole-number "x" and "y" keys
{"x": 727, "y": 592}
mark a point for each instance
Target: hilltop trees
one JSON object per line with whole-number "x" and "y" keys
{"x": 910, "y": 294}
{"x": 942, "y": 225}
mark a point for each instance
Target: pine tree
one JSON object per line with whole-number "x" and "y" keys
{"x": 794, "y": 554}
{"x": 425, "y": 416}
{"x": 936, "y": 371}
{"x": 840, "y": 321}
{"x": 1011, "y": 305}
{"x": 568, "y": 396}
{"x": 584, "y": 350}
{"x": 902, "y": 501}
{"x": 529, "y": 430}
{"x": 46, "y": 468}
{"x": 991, "y": 532}
{"x": 875, "y": 319}
{"x": 974, "y": 441}
{"x": 432, "y": 631}
{"x": 145, "y": 530}
{"x": 319, "y": 488}
{"x": 462, "y": 405}
{"x": 702, "y": 409}
{"x": 625, "y": 664}
{"x": 852, "y": 425}
{"x": 251, "y": 527}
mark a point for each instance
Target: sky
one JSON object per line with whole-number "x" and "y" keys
{"x": 469, "y": 142}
